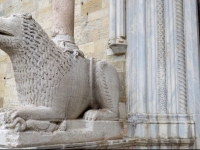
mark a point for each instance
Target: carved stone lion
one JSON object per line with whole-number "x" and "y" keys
{"x": 54, "y": 85}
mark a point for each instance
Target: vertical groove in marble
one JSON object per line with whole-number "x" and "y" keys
{"x": 117, "y": 20}
{"x": 151, "y": 55}
{"x": 162, "y": 92}
{"x": 191, "y": 36}
{"x": 182, "y": 96}
{"x": 136, "y": 56}
{"x": 120, "y": 18}
{"x": 131, "y": 60}
{"x": 171, "y": 56}
{"x": 112, "y": 23}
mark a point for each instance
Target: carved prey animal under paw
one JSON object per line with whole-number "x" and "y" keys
{"x": 54, "y": 85}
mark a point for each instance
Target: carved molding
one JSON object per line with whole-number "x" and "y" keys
{"x": 53, "y": 82}
{"x": 162, "y": 91}
{"x": 182, "y": 87}
{"x": 168, "y": 126}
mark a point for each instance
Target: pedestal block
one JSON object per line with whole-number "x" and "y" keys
{"x": 78, "y": 131}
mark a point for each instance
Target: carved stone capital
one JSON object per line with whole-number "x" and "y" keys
{"x": 117, "y": 33}
{"x": 118, "y": 45}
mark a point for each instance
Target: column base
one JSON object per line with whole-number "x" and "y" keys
{"x": 148, "y": 143}
{"x": 161, "y": 130}
{"x": 65, "y": 42}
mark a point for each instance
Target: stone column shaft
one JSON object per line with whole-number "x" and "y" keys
{"x": 63, "y": 24}
{"x": 63, "y": 17}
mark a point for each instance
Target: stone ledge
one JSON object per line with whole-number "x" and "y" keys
{"x": 151, "y": 142}
{"x": 121, "y": 143}
{"x": 78, "y": 131}
{"x": 162, "y": 126}
{"x": 105, "y": 144}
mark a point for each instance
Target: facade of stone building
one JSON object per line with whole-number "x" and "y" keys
{"x": 153, "y": 45}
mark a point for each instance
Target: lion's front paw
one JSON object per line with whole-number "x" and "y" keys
{"x": 11, "y": 115}
{"x": 101, "y": 114}
{"x": 92, "y": 115}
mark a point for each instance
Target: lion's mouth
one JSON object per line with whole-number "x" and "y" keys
{"x": 5, "y": 33}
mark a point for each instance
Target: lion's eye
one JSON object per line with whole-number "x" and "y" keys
{"x": 5, "y": 33}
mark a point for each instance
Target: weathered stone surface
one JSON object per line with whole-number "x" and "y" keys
{"x": 122, "y": 111}
{"x": 77, "y": 131}
{"x": 54, "y": 84}
{"x": 41, "y": 11}
{"x": 57, "y": 103}
{"x": 90, "y": 6}
{"x": 1, "y": 102}
{"x": 105, "y": 144}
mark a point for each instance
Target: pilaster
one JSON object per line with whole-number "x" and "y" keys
{"x": 192, "y": 63}
{"x": 162, "y": 72}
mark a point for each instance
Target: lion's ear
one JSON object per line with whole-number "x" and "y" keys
{"x": 27, "y": 16}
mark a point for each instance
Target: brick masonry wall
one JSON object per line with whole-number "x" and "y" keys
{"x": 91, "y": 35}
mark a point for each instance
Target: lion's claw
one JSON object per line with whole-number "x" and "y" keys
{"x": 102, "y": 114}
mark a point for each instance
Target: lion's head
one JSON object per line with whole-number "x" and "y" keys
{"x": 11, "y": 35}
{"x": 37, "y": 61}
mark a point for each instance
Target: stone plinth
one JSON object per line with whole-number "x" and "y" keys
{"x": 103, "y": 144}
{"x": 162, "y": 130}
{"x": 77, "y": 131}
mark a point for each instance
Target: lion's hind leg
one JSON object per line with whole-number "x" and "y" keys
{"x": 106, "y": 93}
